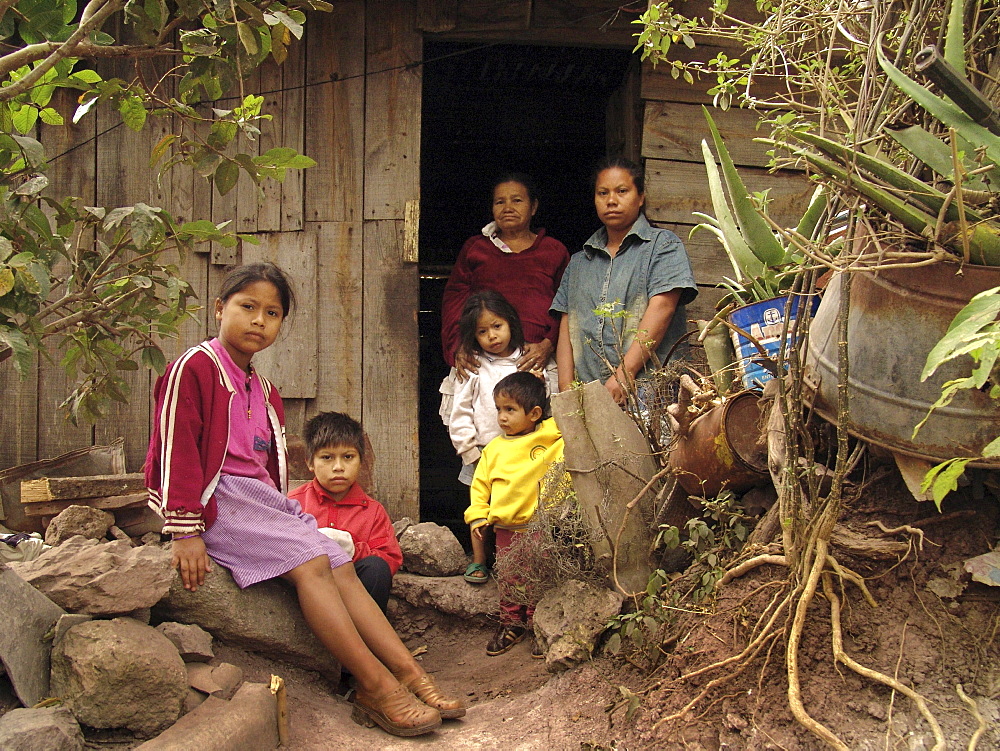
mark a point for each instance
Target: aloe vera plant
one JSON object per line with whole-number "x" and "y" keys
{"x": 762, "y": 259}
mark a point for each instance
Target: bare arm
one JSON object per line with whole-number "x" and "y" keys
{"x": 564, "y": 354}
{"x": 652, "y": 328}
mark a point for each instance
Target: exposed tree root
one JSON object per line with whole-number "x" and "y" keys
{"x": 841, "y": 656}
{"x": 974, "y": 709}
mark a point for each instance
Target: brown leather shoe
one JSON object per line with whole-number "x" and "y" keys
{"x": 428, "y": 692}
{"x": 398, "y": 712}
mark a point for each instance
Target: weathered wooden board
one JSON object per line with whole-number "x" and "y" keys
{"x": 389, "y": 378}
{"x": 339, "y": 311}
{"x": 673, "y": 131}
{"x": 334, "y": 113}
{"x": 70, "y": 488}
{"x": 249, "y": 203}
{"x": 72, "y": 172}
{"x": 51, "y": 508}
{"x": 675, "y": 189}
{"x": 392, "y": 110}
{"x": 703, "y": 306}
{"x": 293, "y": 125}
{"x": 624, "y": 116}
{"x": 291, "y": 362}
{"x": 435, "y": 16}
{"x": 124, "y": 178}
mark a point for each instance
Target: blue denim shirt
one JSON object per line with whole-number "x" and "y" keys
{"x": 649, "y": 262}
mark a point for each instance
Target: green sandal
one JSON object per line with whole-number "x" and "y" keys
{"x": 471, "y": 571}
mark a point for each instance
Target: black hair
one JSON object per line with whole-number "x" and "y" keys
{"x": 495, "y": 303}
{"x": 241, "y": 277}
{"x": 330, "y": 429}
{"x": 620, "y": 162}
{"x": 516, "y": 177}
{"x": 525, "y": 388}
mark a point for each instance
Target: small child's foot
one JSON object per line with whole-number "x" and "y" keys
{"x": 506, "y": 636}
{"x": 477, "y": 573}
{"x": 537, "y": 651}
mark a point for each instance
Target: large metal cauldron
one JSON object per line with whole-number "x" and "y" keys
{"x": 896, "y": 317}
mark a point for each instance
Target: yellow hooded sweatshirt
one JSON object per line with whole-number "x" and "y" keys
{"x": 504, "y": 489}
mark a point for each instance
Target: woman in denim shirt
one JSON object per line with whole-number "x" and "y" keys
{"x": 628, "y": 268}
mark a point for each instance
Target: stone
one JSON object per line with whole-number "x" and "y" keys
{"x": 101, "y": 578}
{"x": 26, "y": 616}
{"x": 249, "y": 722}
{"x": 193, "y": 699}
{"x": 610, "y": 462}
{"x": 49, "y": 728}
{"x": 150, "y": 538}
{"x": 432, "y": 550}
{"x": 66, "y": 622}
{"x": 401, "y": 525}
{"x": 120, "y": 674}
{"x": 137, "y": 521}
{"x": 200, "y": 677}
{"x": 228, "y": 677}
{"x": 117, "y": 534}
{"x": 447, "y": 594}
{"x": 92, "y": 523}
{"x": 193, "y": 642}
{"x": 263, "y": 618}
{"x": 569, "y": 620}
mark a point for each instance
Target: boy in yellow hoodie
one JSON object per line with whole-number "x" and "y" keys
{"x": 504, "y": 491}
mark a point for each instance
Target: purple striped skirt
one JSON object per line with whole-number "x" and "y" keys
{"x": 260, "y": 534}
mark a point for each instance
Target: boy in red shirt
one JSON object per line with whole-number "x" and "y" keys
{"x": 335, "y": 444}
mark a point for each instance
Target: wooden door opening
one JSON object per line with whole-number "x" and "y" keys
{"x": 552, "y": 112}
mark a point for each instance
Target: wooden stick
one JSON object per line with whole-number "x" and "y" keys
{"x": 278, "y": 689}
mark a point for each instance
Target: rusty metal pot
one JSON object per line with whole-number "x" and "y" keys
{"x": 896, "y": 317}
{"x": 723, "y": 448}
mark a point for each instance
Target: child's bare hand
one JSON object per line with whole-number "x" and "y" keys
{"x": 191, "y": 558}
{"x": 478, "y": 532}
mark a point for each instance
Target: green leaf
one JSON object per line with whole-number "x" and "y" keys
{"x": 744, "y": 262}
{"x": 950, "y": 115}
{"x": 51, "y": 116}
{"x": 6, "y": 281}
{"x": 24, "y": 118}
{"x": 943, "y": 479}
{"x": 23, "y": 354}
{"x": 954, "y": 39}
{"x": 152, "y": 358}
{"x": 226, "y": 176}
{"x": 133, "y": 112}
{"x": 755, "y": 230}
{"x": 248, "y": 37}
{"x": 936, "y": 154}
{"x": 290, "y": 23}
{"x": 992, "y": 448}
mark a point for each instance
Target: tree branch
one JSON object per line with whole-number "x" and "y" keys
{"x": 94, "y": 20}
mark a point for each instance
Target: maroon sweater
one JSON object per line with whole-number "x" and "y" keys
{"x": 528, "y": 280}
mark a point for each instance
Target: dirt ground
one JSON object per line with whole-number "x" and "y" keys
{"x": 931, "y": 628}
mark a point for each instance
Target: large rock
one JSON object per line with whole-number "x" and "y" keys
{"x": 447, "y": 594}
{"x": 610, "y": 461}
{"x": 570, "y": 618}
{"x": 49, "y": 728}
{"x": 263, "y": 618}
{"x": 432, "y": 550}
{"x": 193, "y": 642}
{"x": 92, "y": 523}
{"x": 120, "y": 674}
{"x": 249, "y": 722}
{"x": 107, "y": 578}
{"x": 26, "y": 616}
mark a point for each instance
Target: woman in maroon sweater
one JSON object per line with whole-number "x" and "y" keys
{"x": 522, "y": 264}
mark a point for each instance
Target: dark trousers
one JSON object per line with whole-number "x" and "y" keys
{"x": 374, "y": 573}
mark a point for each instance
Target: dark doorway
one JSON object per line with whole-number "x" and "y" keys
{"x": 487, "y": 110}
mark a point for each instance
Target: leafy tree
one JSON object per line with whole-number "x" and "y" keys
{"x": 92, "y": 283}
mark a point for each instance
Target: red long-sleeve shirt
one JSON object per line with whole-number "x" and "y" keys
{"x": 362, "y": 516}
{"x": 528, "y": 280}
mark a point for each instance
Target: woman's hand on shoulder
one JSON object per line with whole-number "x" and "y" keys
{"x": 536, "y": 355}
{"x": 191, "y": 558}
{"x": 466, "y": 364}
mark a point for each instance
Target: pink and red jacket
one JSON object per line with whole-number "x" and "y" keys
{"x": 190, "y": 436}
